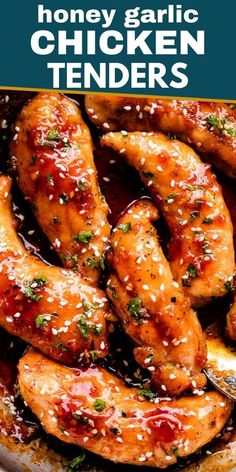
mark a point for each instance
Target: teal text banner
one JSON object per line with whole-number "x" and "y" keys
{"x": 167, "y": 48}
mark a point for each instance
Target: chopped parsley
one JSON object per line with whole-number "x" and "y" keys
{"x": 113, "y": 292}
{"x": 40, "y": 280}
{"x": 102, "y": 263}
{"x": 220, "y": 125}
{"x": 53, "y": 135}
{"x": 99, "y": 404}
{"x": 81, "y": 185}
{"x": 194, "y": 214}
{"x": 73, "y": 257}
{"x": 192, "y": 270}
{"x": 207, "y": 220}
{"x": 134, "y": 308}
{"x": 61, "y": 346}
{"x": 192, "y": 273}
{"x": 229, "y": 286}
{"x": 172, "y": 196}
{"x": 150, "y": 358}
{"x": 63, "y": 198}
{"x": 75, "y": 463}
{"x": 146, "y": 393}
{"x": 40, "y": 320}
{"x": 82, "y": 419}
{"x": 95, "y": 263}
{"x": 82, "y": 325}
{"x": 93, "y": 355}
{"x": 49, "y": 178}
{"x": 29, "y": 290}
{"x": 85, "y": 327}
{"x": 30, "y": 293}
{"x": 84, "y": 237}
{"x": 125, "y": 227}
{"x": 175, "y": 451}
{"x": 115, "y": 431}
{"x": 213, "y": 120}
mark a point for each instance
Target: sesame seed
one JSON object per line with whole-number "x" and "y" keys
{"x": 172, "y": 376}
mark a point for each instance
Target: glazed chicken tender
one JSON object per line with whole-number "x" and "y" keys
{"x": 209, "y": 127}
{"x": 93, "y": 409}
{"x": 201, "y": 248}
{"x": 49, "y": 307}
{"x": 53, "y": 153}
{"x": 151, "y": 306}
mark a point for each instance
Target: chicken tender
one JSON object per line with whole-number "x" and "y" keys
{"x": 151, "y": 306}
{"x": 93, "y": 409}
{"x": 209, "y": 127}
{"x": 49, "y": 307}
{"x": 201, "y": 248}
{"x": 53, "y": 154}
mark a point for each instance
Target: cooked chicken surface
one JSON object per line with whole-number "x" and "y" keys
{"x": 201, "y": 248}
{"x": 49, "y": 307}
{"x": 230, "y": 198}
{"x": 231, "y": 321}
{"x": 151, "y": 306}
{"x": 209, "y": 127}
{"x": 93, "y": 409}
{"x": 53, "y": 153}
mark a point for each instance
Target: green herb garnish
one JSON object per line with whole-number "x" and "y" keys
{"x": 207, "y": 220}
{"x": 192, "y": 270}
{"x": 53, "y": 135}
{"x": 146, "y": 393}
{"x": 84, "y": 237}
{"x": 63, "y": 198}
{"x": 175, "y": 451}
{"x": 99, "y": 404}
{"x": 115, "y": 431}
{"x": 229, "y": 286}
{"x": 75, "y": 463}
{"x": 172, "y": 196}
{"x": 125, "y": 227}
{"x": 134, "y": 308}
{"x": 82, "y": 325}
{"x": 49, "y": 178}
{"x": 220, "y": 125}
{"x": 81, "y": 185}
{"x": 40, "y": 320}
{"x": 194, "y": 214}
